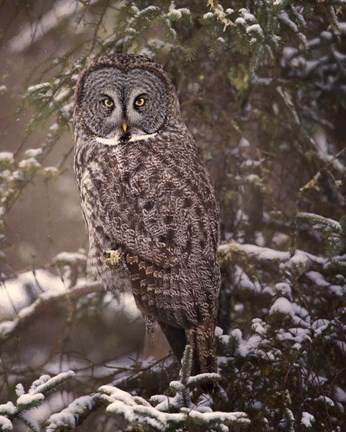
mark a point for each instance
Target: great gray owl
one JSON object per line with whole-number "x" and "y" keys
{"x": 148, "y": 199}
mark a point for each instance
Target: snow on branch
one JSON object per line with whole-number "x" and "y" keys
{"x": 74, "y": 414}
{"x": 292, "y": 264}
{"x": 319, "y": 221}
{"x": 9, "y": 328}
{"x": 32, "y": 399}
{"x": 138, "y": 411}
{"x": 164, "y": 413}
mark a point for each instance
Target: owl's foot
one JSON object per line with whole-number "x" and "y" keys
{"x": 112, "y": 258}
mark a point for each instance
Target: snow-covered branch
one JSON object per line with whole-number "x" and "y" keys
{"x": 9, "y": 328}
{"x": 290, "y": 264}
{"x": 10, "y": 412}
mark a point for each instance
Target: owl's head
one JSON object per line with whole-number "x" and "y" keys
{"x": 124, "y": 98}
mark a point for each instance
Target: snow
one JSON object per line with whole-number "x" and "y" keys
{"x": 243, "y": 143}
{"x": 307, "y": 419}
{"x": 14, "y": 303}
{"x": 289, "y": 52}
{"x": 250, "y": 345}
{"x": 326, "y": 400}
{"x": 8, "y": 408}
{"x": 320, "y": 325}
{"x": 218, "y": 331}
{"x": 283, "y": 16}
{"x": 247, "y": 15}
{"x": 28, "y": 400}
{"x": 144, "y": 11}
{"x": 265, "y": 254}
{"x": 12, "y": 292}
{"x": 298, "y": 263}
{"x": 47, "y": 382}
{"x": 70, "y": 257}
{"x": 284, "y": 289}
{"x": 296, "y": 334}
{"x": 342, "y": 346}
{"x": 240, "y": 21}
{"x": 321, "y": 221}
{"x": 132, "y": 409}
{"x": 203, "y": 376}
{"x": 259, "y": 326}
{"x": 6, "y": 157}
{"x": 259, "y": 239}
{"x": 51, "y": 172}
{"x": 208, "y": 15}
{"x": 342, "y": 27}
{"x": 38, "y": 87}
{"x": 255, "y": 28}
{"x": 5, "y": 424}
{"x": 62, "y": 95}
{"x": 282, "y": 305}
{"x": 6, "y": 174}
{"x": 317, "y": 278}
{"x": 33, "y": 153}
{"x": 42, "y": 380}
{"x": 280, "y": 239}
{"x": 19, "y": 389}
{"x": 177, "y": 13}
{"x": 67, "y": 417}
{"x": 6, "y": 327}
{"x": 117, "y": 394}
{"x": 29, "y": 163}
{"x": 217, "y": 416}
{"x": 340, "y": 395}
{"x": 244, "y": 282}
{"x": 337, "y": 290}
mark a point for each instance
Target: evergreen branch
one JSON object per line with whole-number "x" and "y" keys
{"x": 184, "y": 374}
{"x": 123, "y": 404}
{"x": 286, "y": 263}
{"x": 321, "y": 221}
{"x": 186, "y": 365}
{"x": 31, "y": 424}
{"x": 74, "y": 414}
{"x": 27, "y": 401}
{"x": 45, "y": 384}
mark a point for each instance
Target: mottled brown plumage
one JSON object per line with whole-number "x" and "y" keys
{"x": 145, "y": 193}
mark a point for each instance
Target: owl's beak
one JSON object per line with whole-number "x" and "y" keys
{"x": 124, "y": 126}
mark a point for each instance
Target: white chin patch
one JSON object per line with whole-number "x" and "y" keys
{"x": 116, "y": 140}
{"x": 108, "y": 141}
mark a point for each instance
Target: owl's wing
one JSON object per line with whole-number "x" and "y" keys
{"x": 170, "y": 210}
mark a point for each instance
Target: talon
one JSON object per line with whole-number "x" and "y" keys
{"x": 112, "y": 258}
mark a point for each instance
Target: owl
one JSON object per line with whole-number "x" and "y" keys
{"x": 147, "y": 200}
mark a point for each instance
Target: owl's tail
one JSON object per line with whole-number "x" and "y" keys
{"x": 202, "y": 341}
{"x": 200, "y": 338}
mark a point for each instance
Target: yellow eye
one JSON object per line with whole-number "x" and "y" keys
{"x": 140, "y": 101}
{"x": 107, "y": 102}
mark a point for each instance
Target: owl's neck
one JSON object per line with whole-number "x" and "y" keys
{"x": 117, "y": 141}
